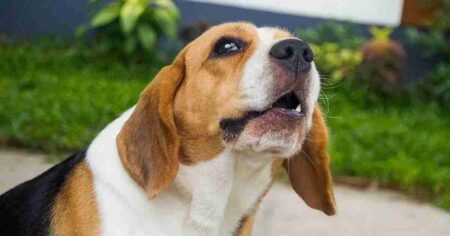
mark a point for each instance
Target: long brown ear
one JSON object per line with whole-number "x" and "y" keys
{"x": 309, "y": 171}
{"x": 148, "y": 143}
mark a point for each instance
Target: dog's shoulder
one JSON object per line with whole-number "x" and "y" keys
{"x": 27, "y": 208}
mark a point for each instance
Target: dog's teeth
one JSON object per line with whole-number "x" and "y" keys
{"x": 299, "y": 108}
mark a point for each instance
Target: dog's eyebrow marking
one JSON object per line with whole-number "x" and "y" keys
{"x": 239, "y": 28}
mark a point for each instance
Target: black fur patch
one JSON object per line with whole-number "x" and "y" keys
{"x": 26, "y": 209}
{"x": 232, "y": 128}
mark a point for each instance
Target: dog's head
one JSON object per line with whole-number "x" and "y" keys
{"x": 240, "y": 87}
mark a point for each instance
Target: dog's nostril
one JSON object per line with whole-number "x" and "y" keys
{"x": 283, "y": 52}
{"x": 289, "y": 52}
{"x": 308, "y": 54}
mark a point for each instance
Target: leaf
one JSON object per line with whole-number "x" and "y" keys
{"x": 168, "y": 22}
{"x": 147, "y": 37}
{"x": 167, "y": 4}
{"x": 105, "y": 15}
{"x": 130, "y": 13}
{"x": 81, "y": 30}
{"x": 380, "y": 33}
{"x": 130, "y": 44}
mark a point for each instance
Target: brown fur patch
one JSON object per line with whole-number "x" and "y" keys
{"x": 210, "y": 91}
{"x": 309, "y": 172}
{"x": 75, "y": 211}
{"x": 148, "y": 143}
{"x": 176, "y": 119}
{"x": 246, "y": 226}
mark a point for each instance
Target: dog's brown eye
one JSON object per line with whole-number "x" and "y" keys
{"x": 227, "y": 46}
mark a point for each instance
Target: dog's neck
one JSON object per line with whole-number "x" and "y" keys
{"x": 208, "y": 198}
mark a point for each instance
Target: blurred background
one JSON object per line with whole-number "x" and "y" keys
{"x": 69, "y": 67}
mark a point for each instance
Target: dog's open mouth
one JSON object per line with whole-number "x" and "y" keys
{"x": 287, "y": 108}
{"x": 288, "y": 102}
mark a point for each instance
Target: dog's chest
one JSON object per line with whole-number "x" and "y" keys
{"x": 224, "y": 190}
{"x": 209, "y": 198}
{"x": 251, "y": 180}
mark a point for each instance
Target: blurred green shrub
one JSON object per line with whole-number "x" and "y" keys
{"x": 434, "y": 42}
{"x": 382, "y": 63}
{"x": 336, "y": 49}
{"x": 124, "y": 26}
{"x": 436, "y": 84}
{"x": 335, "y": 62}
{"x": 343, "y": 34}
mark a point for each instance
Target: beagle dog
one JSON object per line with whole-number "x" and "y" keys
{"x": 198, "y": 151}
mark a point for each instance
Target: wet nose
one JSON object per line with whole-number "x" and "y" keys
{"x": 293, "y": 54}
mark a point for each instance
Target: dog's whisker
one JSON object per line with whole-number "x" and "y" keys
{"x": 310, "y": 160}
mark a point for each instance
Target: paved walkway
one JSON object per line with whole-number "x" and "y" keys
{"x": 283, "y": 213}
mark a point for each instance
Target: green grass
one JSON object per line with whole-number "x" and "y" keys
{"x": 55, "y": 98}
{"x": 407, "y": 145}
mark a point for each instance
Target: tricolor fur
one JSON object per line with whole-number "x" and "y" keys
{"x": 198, "y": 152}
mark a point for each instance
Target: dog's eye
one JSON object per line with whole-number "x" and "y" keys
{"x": 227, "y": 46}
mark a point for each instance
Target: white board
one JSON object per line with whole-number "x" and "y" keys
{"x": 379, "y": 12}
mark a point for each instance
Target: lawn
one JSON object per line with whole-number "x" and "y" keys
{"x": 54, "y": 99}
{"x": 406, "y": 145}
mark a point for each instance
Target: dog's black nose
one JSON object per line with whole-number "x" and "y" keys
{"x": 293, "y": 54}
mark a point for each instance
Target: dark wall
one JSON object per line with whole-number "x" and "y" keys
{"x": 22, "y": 19}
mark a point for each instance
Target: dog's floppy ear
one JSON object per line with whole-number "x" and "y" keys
{"x": 309, "y": 172}
{"x": 148, "y": 143}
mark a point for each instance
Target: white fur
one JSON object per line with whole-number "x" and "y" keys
{"x": 123, "y": 205}
{"x": 206, "y": 199}
{"x": 256, "y": 83}
{"x": 256, "y": 78}
{"x": 284, "y": 143}
{"x": 314, "y": 91}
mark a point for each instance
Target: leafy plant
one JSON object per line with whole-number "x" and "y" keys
{"x": 436, "y": 83}
{"x": 336, "y": 48}
{"x": 435, "y": 42}
{"x": 334, "y": 62}
{"x": 128, "y": 25}
{"x": 344, "y": 34}
{"x": 382, "y": 62}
